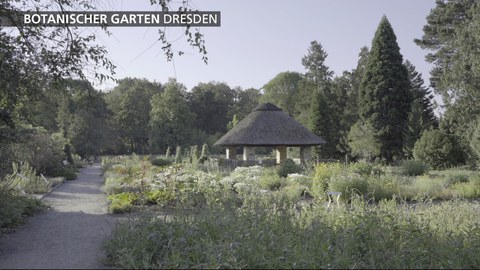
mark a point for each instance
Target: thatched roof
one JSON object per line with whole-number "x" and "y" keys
{"x": 268, "y": 125}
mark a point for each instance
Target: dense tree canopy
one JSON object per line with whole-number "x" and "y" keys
{"x": 451, "y": 35}
{"x": 283, "y": 91}
{"x": 130, "y": 103}
{"x": 212, "y": 103}
{"x": 170, "y": 118}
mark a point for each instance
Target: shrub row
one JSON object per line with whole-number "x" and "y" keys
{"x": 411, "y": 183}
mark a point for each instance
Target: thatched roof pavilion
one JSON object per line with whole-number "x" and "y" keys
{"x": 268, "y": 125}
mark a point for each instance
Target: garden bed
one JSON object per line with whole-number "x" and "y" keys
{"x": 254, "y": 218}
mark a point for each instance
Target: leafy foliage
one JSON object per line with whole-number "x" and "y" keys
{"x": 130, "y": 103}
{"x": 451, "y": 36}
{"x": 212, "y": 104}
{"x": 170, "y": 118}
{"x": 349, "y": 184}
{"x": 437, "y": 149}
{"x": 15, "y": 208}
{"x": 413, "y": 167}
{"x": 362, "y": 141}
{"x": 283, "y": 91}
{"x": 287, "y": 167}
{"x": 161, "y": 162}
{"x": 321, "y": 179}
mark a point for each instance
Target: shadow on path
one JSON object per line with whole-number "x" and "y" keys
{"x": 70, "y": 234}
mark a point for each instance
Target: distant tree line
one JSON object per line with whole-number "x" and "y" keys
{"x": 380, "y": 110}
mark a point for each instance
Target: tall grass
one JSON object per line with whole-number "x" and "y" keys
{"x": 269, "y": 233}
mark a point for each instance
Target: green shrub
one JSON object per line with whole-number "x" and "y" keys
{"x": 438, "y": 150}
{"x": 68, "y": 172}
{"x": 323, "y": 173}
{"x": 454, "y": 178}
{"x": 469, "y": 189}
{"x": 162, "y": 197}
{"x": 349, "y": 184}
{"x": 287, "y": 167}
{"x": 413, "y": 167}
{"x": 42, "y": 151}
{"x": 161, "y": 162}
{"x": 466, "y": 190}
{"x": 384, "y": 187}
{"x": 295, "y": 192}
{"x": 301, "y": 179}
{"x": 122, "y": 202}
{"x": 15, "y": 208}
{"x": 366, "y": 169}
{"x": 427, "y": 187}
{"x": 272, "y": 181}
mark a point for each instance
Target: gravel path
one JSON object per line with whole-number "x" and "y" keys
{"x": 70, "y": 234}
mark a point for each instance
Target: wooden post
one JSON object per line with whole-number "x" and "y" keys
{"x": 231, "y": 152}
{"x": 248, "y": 153}
{"x": 281, "y": 154}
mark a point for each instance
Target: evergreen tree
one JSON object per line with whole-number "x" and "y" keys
{"x": 385, "y": 98}
{"x": 317, "y": 92}
{"x": 320, "y": 124}
{"x": 351, "y": 113}
{"x": 423, "y": 95}
{"x": 343, "y": 115}
{"x": 314, "y": 62}
{"x": 443, "y": 37}
{"x": 421, "y": 115}
{"x": 413, "y": 129}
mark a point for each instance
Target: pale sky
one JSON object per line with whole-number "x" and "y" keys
{"x": 259, "y": 39}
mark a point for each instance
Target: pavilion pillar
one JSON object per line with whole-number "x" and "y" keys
{"x": 248, "y": 153}
{"x": 305, "y": 153}
{"x": 231, "y": 152}
{"x": 281, "y": 154}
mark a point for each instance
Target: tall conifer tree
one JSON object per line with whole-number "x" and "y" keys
{"x": 421, "y": 115}
{"x": 317, "y": 90}
{"x": 385, "y": 97}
